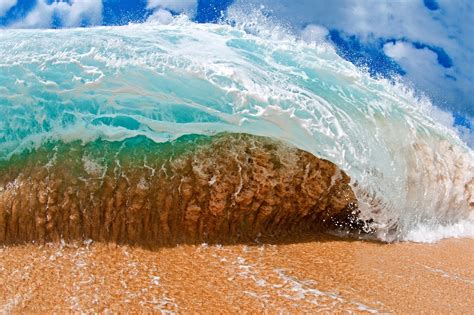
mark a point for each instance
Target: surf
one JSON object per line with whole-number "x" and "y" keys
{"x": 165, "y": 82}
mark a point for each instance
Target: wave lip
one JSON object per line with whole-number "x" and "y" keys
{"x": 226, "y": 188}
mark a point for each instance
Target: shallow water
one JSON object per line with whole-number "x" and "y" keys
{"x": 316, "y": 274}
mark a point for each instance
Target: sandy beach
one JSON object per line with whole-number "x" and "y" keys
{"x": 236, "y": 157}
{"x": 314, "y": 274}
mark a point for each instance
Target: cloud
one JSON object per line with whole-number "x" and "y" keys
{"x": 424, "y": 71}
{"x": 70, "y": 13}
{"x": 161, "y": 16}
{"x": 176, "y": 6}
{"x": 418, "y": 62}
{"x": 40, "y": 17}
{"x": 314, "y": 33}
{"x": 81, "y": 10}
{"x": 6, "y": 5}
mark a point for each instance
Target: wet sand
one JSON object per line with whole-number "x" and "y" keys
{"x": 316, "y": 274}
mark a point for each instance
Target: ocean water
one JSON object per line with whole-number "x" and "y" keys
{"x": 412, "y": 176}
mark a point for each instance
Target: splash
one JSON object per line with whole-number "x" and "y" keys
{"x": 163, "y": 82}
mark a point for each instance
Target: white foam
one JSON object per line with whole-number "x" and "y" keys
{"x": 428, "y": 233}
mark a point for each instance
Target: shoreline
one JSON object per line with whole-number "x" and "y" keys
{"x": 324, "y": 273}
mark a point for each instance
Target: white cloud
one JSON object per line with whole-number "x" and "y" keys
{"x": 6, "y": 5}
{"x": 161, "y": 16}
{"x": 447, "y": 119}
{"x": 421, "y": 66}
{"x": 70, "y": 13}
{"x": 80, "y": 10}
{"x": 314, "y": 33}
{"x": 178, "y": 6}
{"x": 40, "y": 17}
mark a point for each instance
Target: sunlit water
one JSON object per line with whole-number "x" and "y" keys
{"x": 413, "y": 177}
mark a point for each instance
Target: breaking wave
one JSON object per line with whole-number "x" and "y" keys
{"x": 163, "y": 82}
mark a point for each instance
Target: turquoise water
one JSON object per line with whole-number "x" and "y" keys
{"x": 163, "y": 82}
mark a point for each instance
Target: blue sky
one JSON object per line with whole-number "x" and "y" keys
{"x": 428, "y": 42}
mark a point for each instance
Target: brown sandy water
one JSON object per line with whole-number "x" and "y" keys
{"x": 65, "y": 207}
{"x": 317, "y": 274}
{"x": 226, "y": 188}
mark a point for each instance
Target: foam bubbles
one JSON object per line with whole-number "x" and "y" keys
{"x": 425, "y": 233}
